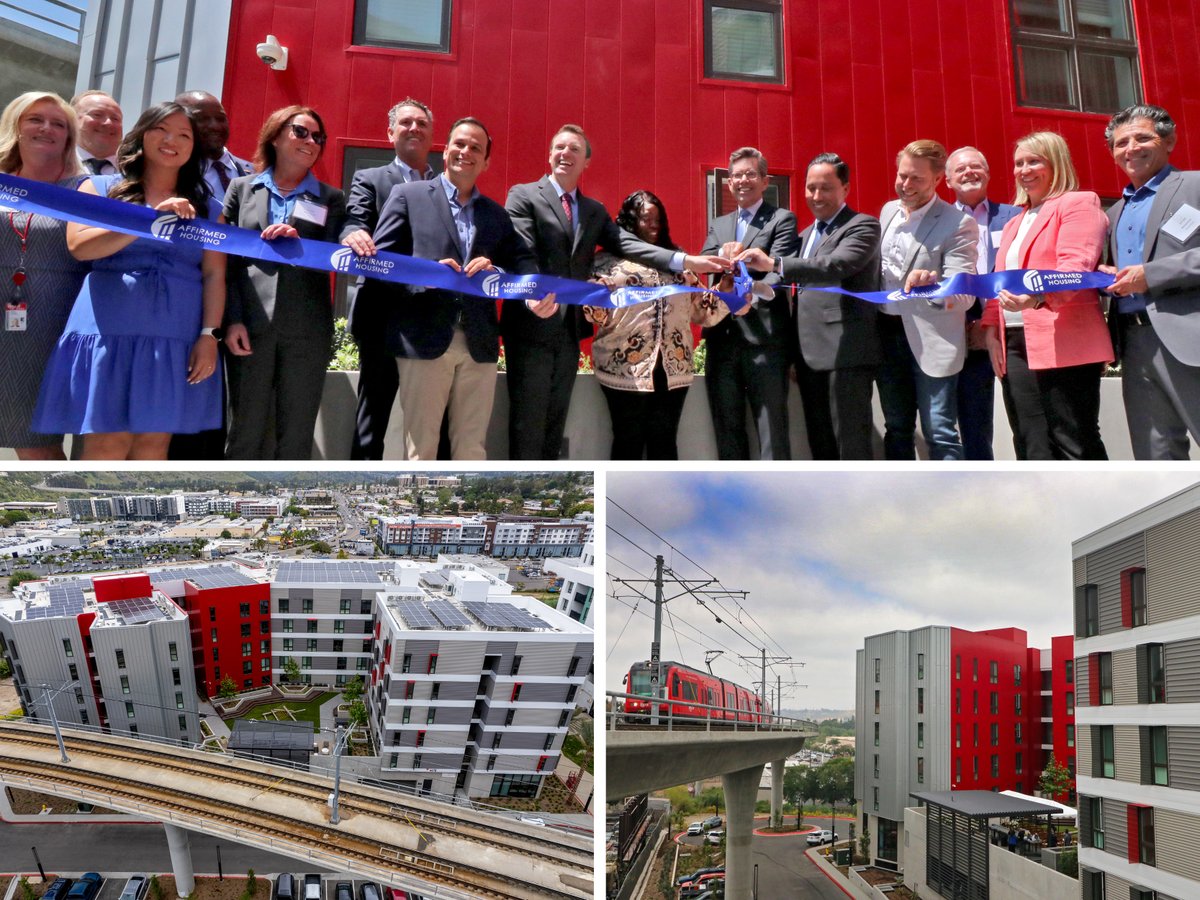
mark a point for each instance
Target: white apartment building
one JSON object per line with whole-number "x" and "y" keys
{"x": 1137, "y": 668}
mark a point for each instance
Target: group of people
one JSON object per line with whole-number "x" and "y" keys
{"x": 118, "y": 338}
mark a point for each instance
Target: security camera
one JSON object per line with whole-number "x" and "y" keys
{"x": 271, "y": 53}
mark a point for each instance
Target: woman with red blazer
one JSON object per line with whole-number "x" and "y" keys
{"x": 1049, "y": 350}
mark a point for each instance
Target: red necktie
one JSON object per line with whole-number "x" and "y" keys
{"x": 566, "y": 204}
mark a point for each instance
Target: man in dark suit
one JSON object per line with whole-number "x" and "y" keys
{"x": 410, "y": 129}
{"x": 967, "y": 174}
{"x": 747, "y": 359}
{"x": 562, "y": 227}
{"x": 839, "y": 346}
{"x": 1155, "y": 242}
{"x": 446, "y": 343}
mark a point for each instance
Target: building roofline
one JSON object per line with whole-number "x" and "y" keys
{"x": 1148, "y": 516}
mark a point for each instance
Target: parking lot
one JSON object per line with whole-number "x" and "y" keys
{"x": 111, "y": 887}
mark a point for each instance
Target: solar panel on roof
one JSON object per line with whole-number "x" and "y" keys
{"x": 327, "y": 573}
{"x": 136, "y": 610}
{"x": 448, "y": 614}
{"x": 415, "y": 614}
{"x": 503, "y": 615}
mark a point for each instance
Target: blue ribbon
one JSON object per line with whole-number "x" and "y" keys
{"x": 25, "y": 195}
{"x": 1016, "y": 281}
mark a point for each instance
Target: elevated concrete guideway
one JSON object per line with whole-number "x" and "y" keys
{"x": 641, "y": 758}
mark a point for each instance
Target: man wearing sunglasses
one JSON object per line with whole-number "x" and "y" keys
{"x": 410, "y": 129}
{"x": 446, "y": 343}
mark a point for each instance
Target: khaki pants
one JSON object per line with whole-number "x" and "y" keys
{"x": 454, "y": 381}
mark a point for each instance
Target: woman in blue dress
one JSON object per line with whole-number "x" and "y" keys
{"x": 138, "y": 359}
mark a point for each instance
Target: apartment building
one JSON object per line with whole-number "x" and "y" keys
{"x": 941, "y": 708}
{"x": 500, "y": 536}
{"x": 111, "y": 651}
{"x": 473, "y": 687}
{"x": 1137, "y": 665}
{"x": 579, "y": 581}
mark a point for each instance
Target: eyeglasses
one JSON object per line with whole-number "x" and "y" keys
{"x": 304, "y": 134}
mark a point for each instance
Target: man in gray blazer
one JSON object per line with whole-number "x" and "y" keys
{"x": 1155, "y": 242}
{"x": 410, "y": 129}
{"x": 925, "y": 240}
{"x": 747, "y": 359}
{"x": 541, "y": 343}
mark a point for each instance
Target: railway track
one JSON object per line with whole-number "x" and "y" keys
{"x": 429, "y": 821}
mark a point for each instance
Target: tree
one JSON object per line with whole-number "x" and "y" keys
{"x": 227, "y": 690}
{"x": 20, "y": 576}
{"x": 226, "y": 534}
{"x": 358, "y": 714}
{"x": 353, "y": 689}
{"x": 800, "y": 783}
{"x": 714, "y": 797}
{"x": 342, "y": 554}
{"x": 291, "y": 669}
{"x": 320, "y": 547}
{"x": 1056, "y": 779}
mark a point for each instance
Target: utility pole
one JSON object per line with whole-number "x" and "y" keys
{"x": 656, "y": 644}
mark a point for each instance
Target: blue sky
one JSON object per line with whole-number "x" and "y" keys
{"x": 830, "y": 557}
{"x": 53, "y": 11}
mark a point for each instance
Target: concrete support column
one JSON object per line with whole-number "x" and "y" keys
{"x": 179, "y": 843}
{"x": 741, "y": 793}
{"x": 777, "y": 792}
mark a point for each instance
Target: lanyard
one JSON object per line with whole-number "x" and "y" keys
{"x": 16, "y": 298}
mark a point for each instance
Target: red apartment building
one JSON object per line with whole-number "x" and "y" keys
{"x": 941, "y": 708}
{"x": 667, "y": 88}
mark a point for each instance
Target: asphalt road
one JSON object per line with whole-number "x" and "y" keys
{"x": 784, "y": 872}
{"x": 127, "y": 848}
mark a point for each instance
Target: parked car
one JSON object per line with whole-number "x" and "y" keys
{"x": 285, "y": 886}
{"x": 532, "y": 820}
{"x": 683, "y": 879}
{"x": 135, "y": 888}
{"x": 343, "y": 890}
{"x": 695, "y": 828}
{"x": 401, "y": 894}
{"x": 824, "y": 836}
{"x": 715, "y": 836}
{"x": 58, "y": 889}
{"x": 702, "y": 885}
{"x": 711, "y": 822}
{"x": 312, "y": 887}
{"x": 86, "y": 887}
{"x": 369, "y": 890}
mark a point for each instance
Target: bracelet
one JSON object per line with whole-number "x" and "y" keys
{"x": 215, "y": 333}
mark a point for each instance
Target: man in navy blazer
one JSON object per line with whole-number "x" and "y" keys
{"x": 410, "y": 129}
{"x": 967, "y": 174}
{"x": 447, "y": 343}
{"x": 541, "y": 345}
{"x": 1155, "y": 242}
{"x": 747, "y": 359}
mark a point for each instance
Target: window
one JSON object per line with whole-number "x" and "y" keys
{"x": 120, "y": 659}
{"x": 491, "y": 763}
{"x": 420, "y": 738}
{"x": 1093, "y": 884}
{"x": 1075, "y": 54}
{"x": 1095, "y": 814}
{"x": 289, "y": 644}
{"x": 179, "y": 699}
{"x": 920, "y": 666}
{"x": 1104, "y": 675}
{"x": 1087, "y": 610}
{"x": 975, "y": 702}
{"x": 68, "y": 649}
{"x": 496, "y": 741}
{"x": 417, "y": 760}
{"x": 994, "y": 674}
{"x": 404, "y": 719}
{"x": 1069, "y": 670}
{"x": 339, "y": 646}
{"x": 1103, "y": 765}
{"x": 920, "y": 770}
{"x": 288, "y": 626}
{"x": 1137, "y": 597}
{"x": 1153, "y": 741}
{"x": 1017, "y": 704}
{"x": 958, "y": 735}
{"x": 431, "y": 717}
{"x": 183, "y": 723}
{"x": 877, "y": 703}
{"x": 876, "y": 765}
{"x": 877, "y": 673}
{"x": 285, "y": 605}
{"x": 975, "y": 669}
{"x": 1070, "y": 735}
{"x": 213, "y": 635}
{"x": 995, "y": 702}
{"x": 339, "y": 626}
{"x": 311, "y": 645}
{"x": 516, "y": 666}
{"x": 174, "y": 650}
{"x": 1141, "y": 823}
{"x": 129, "y": 714}
{"x": 995, "y": 765}
{"x": 574, "y": 665}
{"x": 875, "y": 798}
{"x": 1152, "y": 675}
{"x": 247, "y": 648}
{"x": 73, "y": 671}
{"x": 306, "y": 662}
{"x": 212, "y": 614}
{"x": 312, "y": 626}
{"x": 876, "y": 734}
{"x": 124, "y": 684}
{"x": 243, "y": 609}
{"x": 246, "y": 629}
{"x": 408, "y": 24}
{"x": 563, "y": 718}
{"x": 247, "y": 666}
{"x": 1019, "y": 763}
{"x": 306, "y": 606}
{"x": 1017, "y": 675}
{"x": 958, "y": 667}
{"x": 975, "y": 767}
{"x": 408, "y": 690}
{"x": 264, "y": 607}
{"x": 344, "y": 606}
{"x": 548, "y": 742}
{"x": 995, "y": 734}
{"x": 1017, "y": 737}
{"x": 743, "y": 40}
{"x": 957, "y": 769}
{"x": 516, "y": 694}
{"x": 958, "y": 700}
{"x": 1070, "y": 703}
{"x": 920, "y": 701}
{"x": 920, "y": 735}
{"x": 406, "y": 665}
{"x": 975, "y": 734}
{"x": 435, "y": 690}
{"x": 432, "y": 667}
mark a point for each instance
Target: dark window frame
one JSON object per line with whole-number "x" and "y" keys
{"x": 362, "y": 39}
{"x": 773, "y": 7}
{"x": 1073, "y": 44}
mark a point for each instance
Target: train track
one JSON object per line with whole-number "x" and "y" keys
{"x": 429, "y": 821}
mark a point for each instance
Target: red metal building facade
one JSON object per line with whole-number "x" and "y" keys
{"x": 859, "y": 77}
{"x": 231, "y": 634}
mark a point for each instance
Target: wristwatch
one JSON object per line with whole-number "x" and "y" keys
{"x": 215, "y": 333}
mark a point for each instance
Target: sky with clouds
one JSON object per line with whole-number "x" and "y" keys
{"x": 828, "y": 558}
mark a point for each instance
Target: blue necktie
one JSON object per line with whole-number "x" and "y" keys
{"x": 743, "y": 223}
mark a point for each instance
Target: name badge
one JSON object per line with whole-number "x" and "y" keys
{"x": 1183, "y": 224}
{"x": 310, "y": 211}
{"x": 14, "y": 318}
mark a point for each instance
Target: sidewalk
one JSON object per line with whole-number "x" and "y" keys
{"x": 831, "y": 872}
